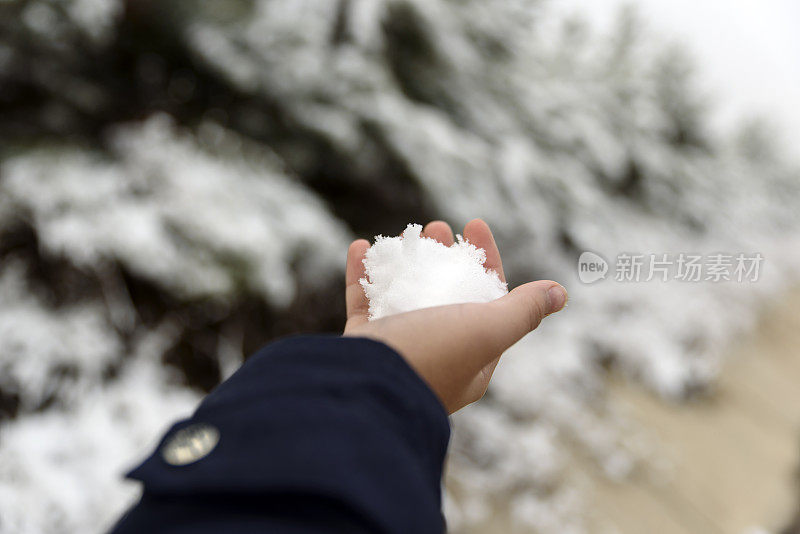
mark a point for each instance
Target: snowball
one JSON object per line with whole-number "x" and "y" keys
{"x": 412, "y": 272}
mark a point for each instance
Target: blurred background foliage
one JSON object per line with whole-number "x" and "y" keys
{"x": 179, "y": 182}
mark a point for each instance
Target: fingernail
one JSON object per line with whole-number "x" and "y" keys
{"x": 557, "y": 296}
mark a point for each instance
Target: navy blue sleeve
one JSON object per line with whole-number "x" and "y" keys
{"x": 311, "y": 434}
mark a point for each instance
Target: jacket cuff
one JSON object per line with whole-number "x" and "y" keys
{"x": 341, "y": 417}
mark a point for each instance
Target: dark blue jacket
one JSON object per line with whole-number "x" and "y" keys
{"x": 311, "y": 434}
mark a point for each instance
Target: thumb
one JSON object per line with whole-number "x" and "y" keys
{"x": 522, "y": 309}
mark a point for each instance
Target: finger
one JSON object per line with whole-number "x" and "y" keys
{"x": 520, "y": 312}
{"x": 476, "y": 334}
{"x": 478, "y": 233}
{"x": 483, "y": 332}
{"x": 356, "y": 300}
{"x": 440, "y": 231}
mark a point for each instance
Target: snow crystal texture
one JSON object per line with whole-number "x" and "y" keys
{"x": 561, "y": 138}
{"x": 412, "y": 272}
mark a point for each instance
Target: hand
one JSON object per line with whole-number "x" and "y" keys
{"x": 454, "y": 348}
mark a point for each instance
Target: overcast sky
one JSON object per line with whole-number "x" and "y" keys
{"x": 749, "y": 51}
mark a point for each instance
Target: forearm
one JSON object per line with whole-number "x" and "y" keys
{"x": 315, "y": 434}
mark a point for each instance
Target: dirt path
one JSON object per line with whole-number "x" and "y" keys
{"x": 734, "y": 457}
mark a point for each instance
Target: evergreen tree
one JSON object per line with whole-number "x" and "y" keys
{"x": 178, "y": 181}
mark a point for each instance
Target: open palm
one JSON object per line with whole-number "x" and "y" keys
{"x": 454, "y": 348}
